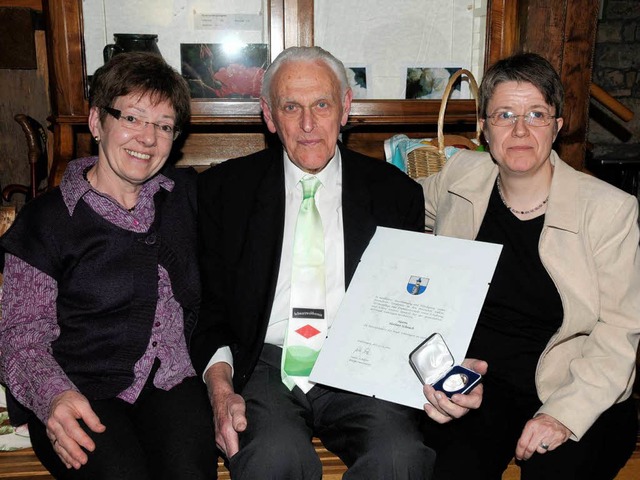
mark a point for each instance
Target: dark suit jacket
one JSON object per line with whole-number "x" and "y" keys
{"x": 241, "y": 221}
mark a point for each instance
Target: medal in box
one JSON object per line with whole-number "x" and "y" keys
{"x": 434, "y": 365}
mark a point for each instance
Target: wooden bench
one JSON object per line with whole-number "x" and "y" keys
{"x": 23, "y": 465}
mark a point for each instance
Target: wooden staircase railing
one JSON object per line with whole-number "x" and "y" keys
{"x": 613, "y": 105}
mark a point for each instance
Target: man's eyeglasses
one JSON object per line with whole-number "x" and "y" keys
{"x": 163, "y": 130}
{"x": 533, "y": 119}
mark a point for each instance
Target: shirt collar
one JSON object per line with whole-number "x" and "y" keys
{"x": 330, "y": 176}
{"x": 74, "y": 184}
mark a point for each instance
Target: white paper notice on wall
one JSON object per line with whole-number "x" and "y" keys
{"x": 234, "y": 21}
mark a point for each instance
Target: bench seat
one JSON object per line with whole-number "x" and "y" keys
{"x": 23, "y": 465}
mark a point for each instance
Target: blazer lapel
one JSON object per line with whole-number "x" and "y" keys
{"x": 358, "y": 224}
{"x": 265, "y": 231}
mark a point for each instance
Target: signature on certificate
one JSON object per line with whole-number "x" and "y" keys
{"x": 361, "y": 354}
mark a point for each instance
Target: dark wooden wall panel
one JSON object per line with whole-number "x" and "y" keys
{"x": 23, "y": 91}
{"x": 563, "y": 31}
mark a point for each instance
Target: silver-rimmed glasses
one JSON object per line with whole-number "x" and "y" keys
{"x": 533, "y": 119}
{"x": 164, "y": 130}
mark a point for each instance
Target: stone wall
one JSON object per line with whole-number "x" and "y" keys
{"x": 617, "y": 70}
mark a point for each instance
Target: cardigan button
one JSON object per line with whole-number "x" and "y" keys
{"x": 151, "y": 239}
{"x": 154, "y": 344}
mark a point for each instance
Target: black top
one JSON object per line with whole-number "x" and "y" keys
{"x": 523, "y": 307}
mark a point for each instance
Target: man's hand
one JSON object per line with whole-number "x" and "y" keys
{"x": 63, "y": 429}
{"x": 442, "y": 409}
{"x": 541, "y": 434}
{"x": 228, "y": 408}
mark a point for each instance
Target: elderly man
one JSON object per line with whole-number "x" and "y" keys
{"x": 282, "y": 232}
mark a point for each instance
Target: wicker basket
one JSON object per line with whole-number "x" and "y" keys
{"x": 430, "y": 159}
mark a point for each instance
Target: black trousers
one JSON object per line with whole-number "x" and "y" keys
{"x": 375, "y": 439}
{"x": 481, "y": 444}
{"x": 164, "y": 435}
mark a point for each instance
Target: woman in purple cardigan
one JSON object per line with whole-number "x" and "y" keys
{"x": 101, "y": 294}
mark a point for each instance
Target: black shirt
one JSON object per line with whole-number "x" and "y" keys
{"x": 523, "y": 309}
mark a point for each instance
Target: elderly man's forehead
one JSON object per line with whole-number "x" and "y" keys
{"x": 298, "y": 78}
{"x": 300, "y": 67}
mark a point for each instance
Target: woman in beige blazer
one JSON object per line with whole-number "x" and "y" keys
{"x": 561, "y": 322}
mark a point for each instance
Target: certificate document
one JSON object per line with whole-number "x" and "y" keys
{"x": 407, "y": 286}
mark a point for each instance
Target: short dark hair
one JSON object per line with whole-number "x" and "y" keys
{"x": 141, "y": 73}
{"x": 523, "y": 67}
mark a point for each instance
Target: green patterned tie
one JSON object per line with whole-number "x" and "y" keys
{"x": 307, "y": 326}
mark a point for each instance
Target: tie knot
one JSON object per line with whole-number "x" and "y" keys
{"x": 309, "y": 186}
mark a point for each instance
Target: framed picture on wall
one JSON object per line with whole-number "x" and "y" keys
{"x": 357, "y": 77}
{"x": 430, "y": 82}
{"x": 214, "y": 70}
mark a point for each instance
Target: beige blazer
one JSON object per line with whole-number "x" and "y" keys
{"x": 589, "y": 247}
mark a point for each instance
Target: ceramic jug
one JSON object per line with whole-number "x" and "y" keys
{"x": 131, "y": 42}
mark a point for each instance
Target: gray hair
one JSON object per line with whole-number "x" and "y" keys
{"x": 304, "y": 54}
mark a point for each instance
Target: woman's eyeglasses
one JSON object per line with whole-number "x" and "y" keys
{"x": 533, "y": 119}
{"x": 131, "y": 122}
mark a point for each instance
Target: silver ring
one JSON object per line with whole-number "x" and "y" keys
{"x": 544, "y": 446}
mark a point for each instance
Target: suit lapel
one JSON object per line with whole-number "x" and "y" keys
{"x": 265, "y": 230}
{"x": 358, "y": 224}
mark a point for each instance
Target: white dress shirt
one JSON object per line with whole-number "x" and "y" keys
{"x": 329, "y": 202}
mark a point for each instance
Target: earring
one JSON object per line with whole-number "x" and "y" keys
{"x": 97, "y": 139}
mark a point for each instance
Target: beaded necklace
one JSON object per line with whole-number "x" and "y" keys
{"x": 513, "y": 210}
